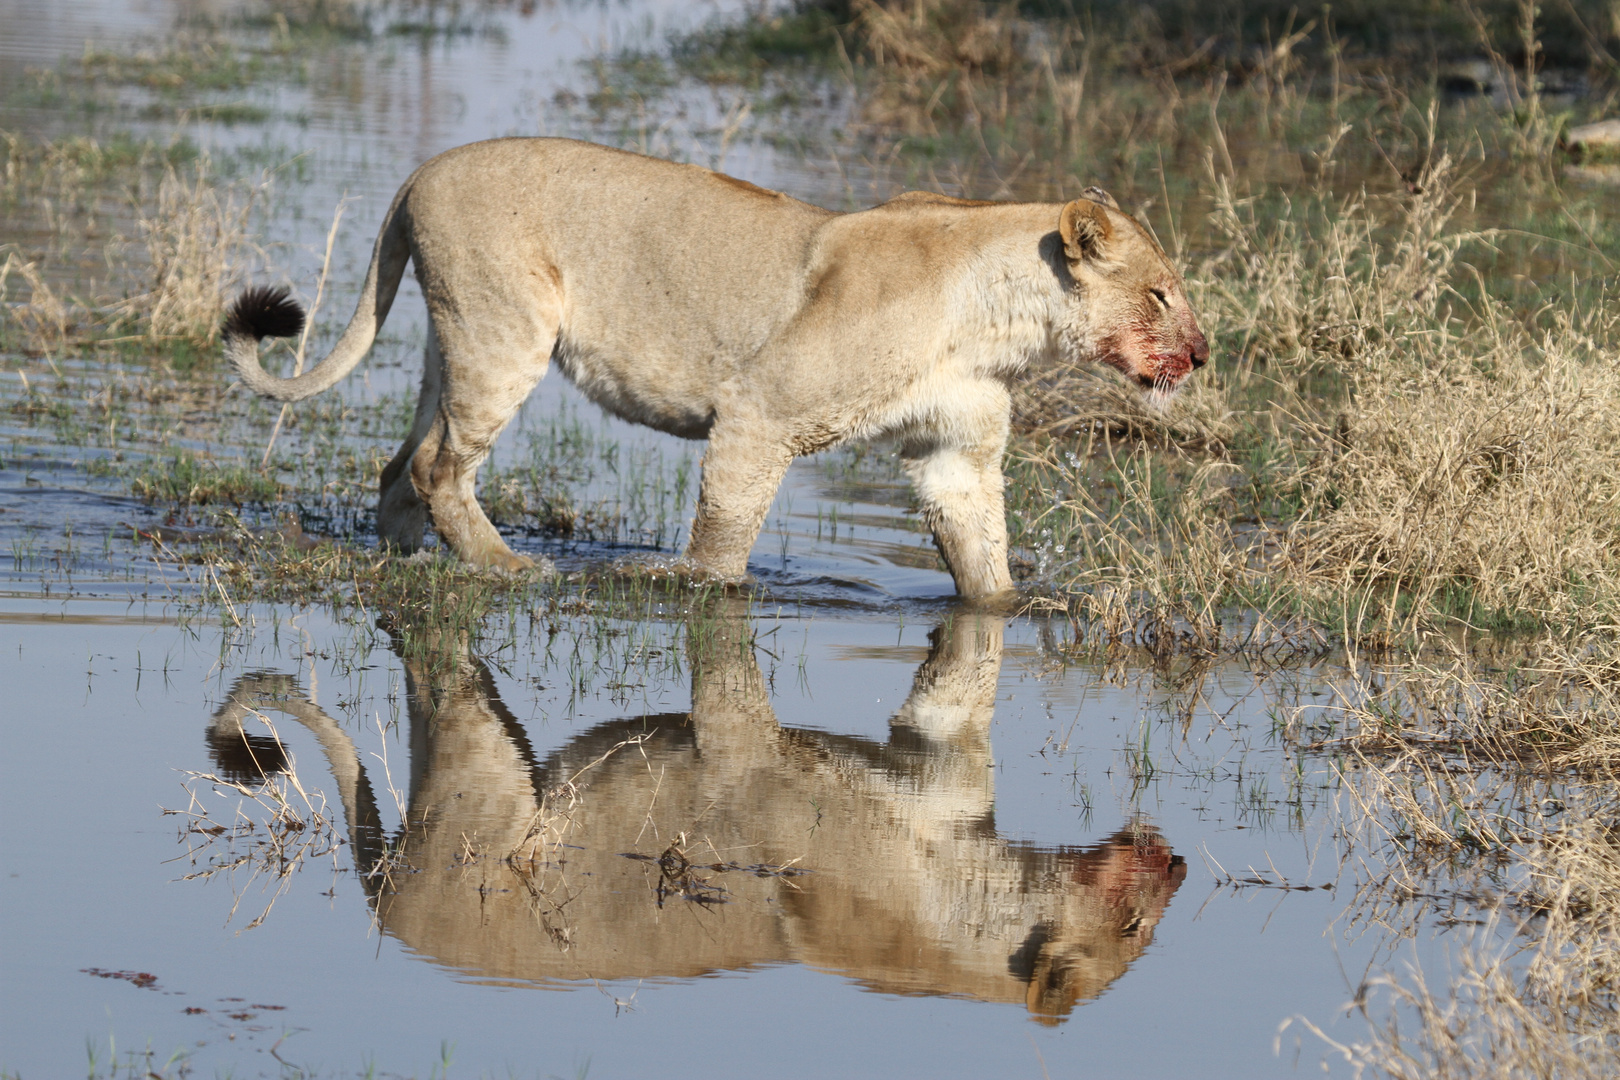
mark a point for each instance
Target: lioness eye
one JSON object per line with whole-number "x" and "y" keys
{"x": 1159, "y": 295}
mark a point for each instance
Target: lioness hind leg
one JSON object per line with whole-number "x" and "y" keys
{"x": 401, "y": 513}
{"x": 741, "y": 472}
{"x": 962, "y": 502}
{"x": 478, "y": 397}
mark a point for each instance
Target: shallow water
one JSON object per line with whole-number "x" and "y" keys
{"x": 991, "y": 876}
{"x": 853, "y": 830}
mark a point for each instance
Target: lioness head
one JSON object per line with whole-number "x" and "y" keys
{"x": 1133, "y": 312}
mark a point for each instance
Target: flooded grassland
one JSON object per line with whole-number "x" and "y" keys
{"x": 1299, "y": 754}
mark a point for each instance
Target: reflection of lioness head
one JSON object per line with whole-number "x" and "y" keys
{"x": 711, "y": 309}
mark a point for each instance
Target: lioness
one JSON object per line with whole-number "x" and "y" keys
{"x": 709, "y": 308}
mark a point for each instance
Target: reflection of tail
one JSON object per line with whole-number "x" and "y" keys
{"x": 240, "y": 754}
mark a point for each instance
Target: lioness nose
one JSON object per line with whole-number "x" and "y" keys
{"x": 1199, "y": 350}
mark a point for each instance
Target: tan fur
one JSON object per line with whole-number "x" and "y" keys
{"x": 706, "y": 307}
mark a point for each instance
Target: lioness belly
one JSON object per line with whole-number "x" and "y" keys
{"x": 663, "y": 395}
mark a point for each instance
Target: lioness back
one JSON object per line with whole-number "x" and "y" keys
{"x": 652, "y": 343}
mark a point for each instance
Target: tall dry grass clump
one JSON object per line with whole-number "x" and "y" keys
{"x": 180, "y": 240}
{"x": 1471, "y": 464}
{"x": 1393, "y": 449}
{"x": 930, "y": 58}
{"x": 939, "y": 37}
{"x": 197, "y": 238}
{"x": 42, "y": 323}
{"x": 1484, "y": 465}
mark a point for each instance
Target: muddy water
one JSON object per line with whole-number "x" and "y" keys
{"x": 852, "y": 830}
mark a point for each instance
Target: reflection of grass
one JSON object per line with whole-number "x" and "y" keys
{"x": 273, "y": 830}
{"x": 1486, "y": 792}
{"x": 454, "y": 27}
{"x": 186, "y": 63}
{"x": 229, "y": 112}
{"x": 310, "y": 23}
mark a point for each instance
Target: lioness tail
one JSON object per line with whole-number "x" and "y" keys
{"x": 263, "y": 312}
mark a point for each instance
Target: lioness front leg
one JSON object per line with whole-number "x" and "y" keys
{"x": 960, "y": 491}
{"x": 741, "y": 472}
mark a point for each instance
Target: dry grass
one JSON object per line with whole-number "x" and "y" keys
{"x": 173, "y": 241}
{"x": 1070, "y": 401}
{"x": 929, "y": 65}
{"x": 1486, "y": 469}
{"x": 940, "y": 37}
{"x": 271, "y": 833}
{"x": 44, "y": 321}
{"x": 1388, "y": 453}
{"x": 1469, "y": 453}
{"x": 198, "y": 243}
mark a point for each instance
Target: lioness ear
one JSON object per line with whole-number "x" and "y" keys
{"x": 1085, "y": 229}
{"x": 1098, "y": 195}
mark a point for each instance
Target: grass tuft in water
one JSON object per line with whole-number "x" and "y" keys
{"x": 189, "y": 480}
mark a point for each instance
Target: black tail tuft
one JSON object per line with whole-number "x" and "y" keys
{"x": 263, "y": 312}
{"x": 243, "y": 757}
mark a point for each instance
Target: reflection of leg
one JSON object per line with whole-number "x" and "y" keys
{"x": 474, "y": 784}
{"x": 741, "y": 472}
{"x": 961, "y": 497}
{"x": 954, "y": 691}
{"x": 945, "y": 723}
{"x": 731, "y": 705}
{"x": 401, "y": 513}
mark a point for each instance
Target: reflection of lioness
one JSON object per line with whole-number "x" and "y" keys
{"x": 709, "y": 308}
{"x": 511, "y": 867}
